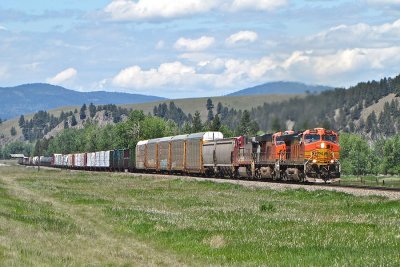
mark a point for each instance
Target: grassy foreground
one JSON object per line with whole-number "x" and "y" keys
{"x": 78, "y": 218}
{"x": 371, "y": 180}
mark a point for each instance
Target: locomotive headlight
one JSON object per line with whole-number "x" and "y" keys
{"x": 314, "y": 161}
{"x": 322, "y": 145}
{"x": 332, "y": 161}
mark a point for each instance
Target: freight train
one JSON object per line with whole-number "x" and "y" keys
{"x": 304, "y": 156}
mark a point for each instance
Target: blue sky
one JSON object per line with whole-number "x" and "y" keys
{"x": 192, "y": 48}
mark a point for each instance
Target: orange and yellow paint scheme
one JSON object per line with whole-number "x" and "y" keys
{"x": 321, "y": 152}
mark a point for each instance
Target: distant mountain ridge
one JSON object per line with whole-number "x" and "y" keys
{"x": 29, "y": 98}
{"x": 281, "y": 88}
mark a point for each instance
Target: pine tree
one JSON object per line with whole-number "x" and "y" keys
{"x": 219, "y": 108}
{"x": 92, "y": 110}
{"x": 210, "y": 104}
{"x": 21, "y": 121}
{"x": 210, "y": 115}
{"x": 62, "y": 115}
{"x": 216, "y": 124}
{"x": 66, "y": 126}
{"x": 73, "y": 121}
{"x": 197, "y": 125}
{"x": 82, "y": 113}
{"x": 13, "y": 131}
{"x": 244, "y": 125}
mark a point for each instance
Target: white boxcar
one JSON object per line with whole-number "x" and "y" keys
{"x": 57, "y": 159}
{"x": 91, "y": 159}
{"x": 64, "y": 160}
{"x": 141, "y": 155}
{"x": 70, "y": 160}
{"x": 97, "y": 159}
{"x": 103, "y": 159}
{"x": 80, "y": 160}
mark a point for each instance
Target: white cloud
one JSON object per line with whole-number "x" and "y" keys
{"x": 145, "y": 10}
{"x": 360, "y": 34}
{"x": 239, "y": 5}
{"x": 156, "y": 9}
{"x": 356, "y": 59}
{"x": 242, "y": 36}
{"x": 173, "y": 73}
{"x": 2, "y": 28}
{"x": 199, "y": 44}
{"x": 63, "y": 76}
{"x": 335, "y": 68}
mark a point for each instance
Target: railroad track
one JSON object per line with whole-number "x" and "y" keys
{"x": 264, "y": 183}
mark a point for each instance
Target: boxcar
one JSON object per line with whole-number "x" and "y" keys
{"x": 129, "y": 159}
{"x": 70, "y": 160}
{"x": 194, "y": 145}
{"x": 151, "y": 154}
{"x": 80, "y": 160}
{"x": 178, "y": 152}
{"x": 57, "y": 159}
{"x": 117, "y": 159}
{"x": 164, "y": 157}
{"x": 141, "y": 155}
{"x": 91, "y": 160}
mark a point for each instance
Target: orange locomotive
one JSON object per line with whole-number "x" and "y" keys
{"x": 312, "y": 156}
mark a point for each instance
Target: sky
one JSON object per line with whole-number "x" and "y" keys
{"x": 195, "y": 48}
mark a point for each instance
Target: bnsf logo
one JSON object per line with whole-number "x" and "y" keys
{"x": 323, "y": 154}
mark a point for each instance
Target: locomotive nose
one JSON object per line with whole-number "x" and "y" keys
{"x": 324, "y": 155}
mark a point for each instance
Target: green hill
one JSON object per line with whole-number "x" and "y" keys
{"x": 189, "y": 105}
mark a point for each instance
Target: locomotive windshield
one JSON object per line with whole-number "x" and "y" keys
{"x": 311, "y": 138}
{"x": 279, "y": 140}
{"x": 330, "y": 138}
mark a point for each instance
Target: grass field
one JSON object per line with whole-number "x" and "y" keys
{"x": 55, "y": 217}
{"x": 371, "y": 180}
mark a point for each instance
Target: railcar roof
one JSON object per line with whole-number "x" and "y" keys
{"x": 179, "y": 137}
{"x": 206, "y": 135}
{"x": 165, "y": 139}
{"x": 143, "y": 142}
{"x": 152, "y": 141}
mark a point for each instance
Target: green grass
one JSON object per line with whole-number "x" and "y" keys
{"x": 57, "y": 217}
{"x": 371, "y": 180}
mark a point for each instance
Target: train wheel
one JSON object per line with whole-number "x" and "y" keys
{"x": 301, "y": 177}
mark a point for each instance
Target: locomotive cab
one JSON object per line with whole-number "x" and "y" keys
{"x": 281, "y": 144}
{"x": 321, "y": 155}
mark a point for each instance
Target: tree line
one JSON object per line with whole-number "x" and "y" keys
{"x": 338, "y": 109}
{"x": 359, "y": 157}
